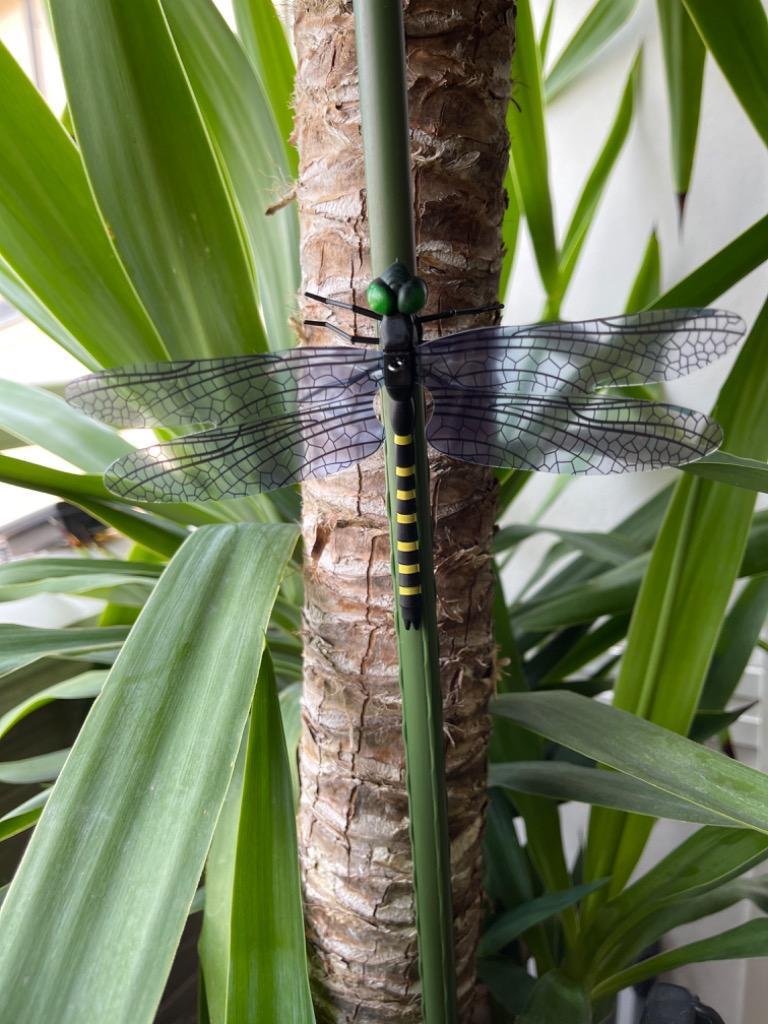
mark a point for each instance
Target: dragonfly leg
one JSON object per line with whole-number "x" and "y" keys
{"x": 446, "y": 314}
{"x": 355, "y": 339}
{"x": 360, "y": 310}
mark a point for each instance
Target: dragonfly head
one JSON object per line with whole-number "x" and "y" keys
{"x": 397, "y": 291}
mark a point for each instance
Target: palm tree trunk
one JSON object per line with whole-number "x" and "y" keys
{"x": 353, "y": 816}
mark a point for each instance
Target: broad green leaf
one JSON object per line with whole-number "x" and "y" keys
{"x": 133, "y": 811}
{"x": 751, "y": 474}
{"x": 557, "y": 999}
{"x": 559, "y": 780}
{"x": 96, "y": 577}
{"x": 600, "y": 25}
{"x": 656, "y": 756}
{"x": 268, "y": 963}
{"x": 511, "y": 924}
{"x": 647, "y": 283}
{"x": 242, "y": 126}
{"x": 719, "y": 273}
{"x": 83, "y": 686}
{"x": 746, "y": 941}
{"x": 56, "y": 261}
{"x": 685, "y": 592}
{"x": 739, "y": 44}
{"x": 21, "y": 645}
{"x": 38, "y": 417}
{"x": 155, "y": 176}
{"x": 263, "y": 38}
{"x": 528, "y": 147}
{"x": 684, "y": 54}
{"x": 27, "y": 770}
{"x": 589, "y": 200}
{"x": 738, "y": 637}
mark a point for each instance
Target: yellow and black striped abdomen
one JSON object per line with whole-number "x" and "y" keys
{"x": 407, "y": 533}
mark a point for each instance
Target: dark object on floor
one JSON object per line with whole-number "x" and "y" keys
{"x": 673, "y": 1004}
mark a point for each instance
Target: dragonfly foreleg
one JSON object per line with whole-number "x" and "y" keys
{"x": 406, "y": 526}
{"x": 338, "y": 304}
{"x": 448, "y": 313}
{"x": 354, "y": 339}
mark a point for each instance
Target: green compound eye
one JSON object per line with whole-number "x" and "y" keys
{"x": 412, "y": 296}
{"x": 381, "y": 298}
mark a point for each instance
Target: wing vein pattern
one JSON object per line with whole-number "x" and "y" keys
{"x": 577, "y": 358}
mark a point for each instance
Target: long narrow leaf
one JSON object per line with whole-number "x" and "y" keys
{"x": 268, "y": 964}
{"x": 562, "y": 781}
{"x": 737, "y": 640}
{"x": 57, "y": 264}
{"x": 21, "y": 645}
{"x": 739, "y": 44}
{"x": 27, "y": 770}
{"x": 726, "y": 468}
{"x": 529, "y": 162}
{"x": 41, "y": 418}
{"x": 719, "y": 273}
{"x": 656, "y": 756}
{"x": 646, "y": 285}
{"x": 513, "y": 923}
{"x": 593, "y": 190}
{"x": 701, "y": 867}
{"x": 510, "y": 229}
{"x": 747, "y": 940}
{"x": 684, "y": 54}
{"x": 600, "y": 25}
{"x": 80, "y": 687}
{"x": 263, "y": 37}
{"x": 155, "y": 175}
{"x": 242, "y": 125}
{"x": 134, "y": 809}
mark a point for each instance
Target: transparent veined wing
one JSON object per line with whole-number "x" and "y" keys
{"x": 238, "y": 389}
{"x": 567, "y": 433}
{"x": 578, "y": 357}
{"x": 239, "y": 459}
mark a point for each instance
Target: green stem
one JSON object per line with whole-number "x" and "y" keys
{"x": 384, "y": 117}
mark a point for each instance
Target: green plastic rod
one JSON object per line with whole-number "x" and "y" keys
{"x": 384, "y": 116}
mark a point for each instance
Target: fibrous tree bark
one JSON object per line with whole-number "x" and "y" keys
{"x": 353, "y": 819}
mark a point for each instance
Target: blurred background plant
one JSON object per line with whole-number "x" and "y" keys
{"x": 660, "y": 611}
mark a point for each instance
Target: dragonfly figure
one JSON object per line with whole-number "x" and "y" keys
{"x": 520, "y": 397}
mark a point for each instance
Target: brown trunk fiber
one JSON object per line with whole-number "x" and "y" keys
{"x": 353, "y": 815}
